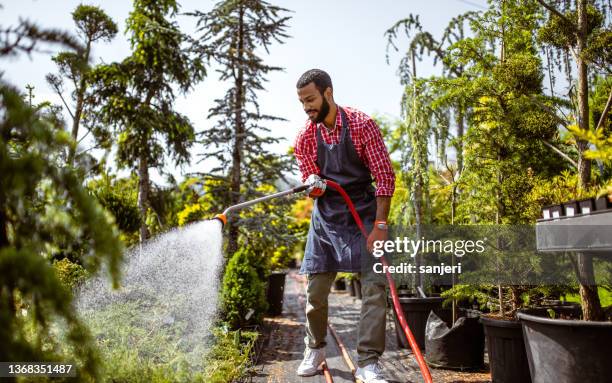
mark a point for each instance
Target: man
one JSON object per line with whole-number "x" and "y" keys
{"x": 343, "y": 145}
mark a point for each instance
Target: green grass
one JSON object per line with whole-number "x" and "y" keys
{"x": 135, "y": 348}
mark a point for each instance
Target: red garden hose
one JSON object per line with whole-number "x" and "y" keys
{"x": 396, "y": 303}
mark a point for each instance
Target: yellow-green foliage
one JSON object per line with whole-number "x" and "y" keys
{"x": 71, "y": 274}
{"x": 561, "y": 188}
{"x": 230, "y": 357}
{"x": 603, "y": 150}
{"x": 130, "y": 352}
{"x": 191, "y": 213}
{"x": 602, "y": 142}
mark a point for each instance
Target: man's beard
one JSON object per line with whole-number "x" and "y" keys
{"x": 323, "y": 113}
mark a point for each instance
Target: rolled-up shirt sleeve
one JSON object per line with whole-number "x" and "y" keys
{"x": 305, "y": 151}
{"x": 377, "y": 159}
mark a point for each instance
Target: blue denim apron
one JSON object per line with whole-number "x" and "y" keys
{"x": 334, "y": 241}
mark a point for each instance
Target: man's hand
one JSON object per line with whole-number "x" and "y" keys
{"x": 376, "y": 235}
{"x": 316, "y": 186}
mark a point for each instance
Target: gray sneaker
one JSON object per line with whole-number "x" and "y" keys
{"x": 313, "y": 358}
{"x": 372, "y": 373}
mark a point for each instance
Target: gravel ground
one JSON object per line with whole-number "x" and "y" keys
{"x": 283, "y": 345}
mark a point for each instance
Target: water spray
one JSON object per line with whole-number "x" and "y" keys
{"x": 395, "y": 299}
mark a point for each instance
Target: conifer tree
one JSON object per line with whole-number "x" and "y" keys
{"x": 136, "y": 96}
{"x": 447, "y": 100}
{"x": 232, "y": 33}
{"x": 580, "y": 31}
{"x": 92, "y": 25}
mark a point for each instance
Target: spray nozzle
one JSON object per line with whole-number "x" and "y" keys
{"x": 222, "y": 218}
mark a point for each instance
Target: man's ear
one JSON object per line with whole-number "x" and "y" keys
{"x": 329, "y": 94}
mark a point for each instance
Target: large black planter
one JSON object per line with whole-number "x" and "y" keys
{"x": 416, "y": 312}
{"x": 567, "y": 351}
{"x": 340, "y": 284}
{"x": 275, "y": 292}
{"x": 357, "y": 285}
{"x": 507, "y": 357}
{"x": 351, "y": 288}
{"x": 458, "y": 347}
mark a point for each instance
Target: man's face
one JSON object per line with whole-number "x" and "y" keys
{"x": 313, "y": 102}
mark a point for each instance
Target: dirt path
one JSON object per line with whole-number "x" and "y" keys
{"x": 284, "y": 345}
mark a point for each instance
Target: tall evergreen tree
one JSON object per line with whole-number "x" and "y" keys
{"x": 136, "y": 96}
{"x": 92, "y": 25}
{"x": 232, "y": 32}
{"x": 447, "y": 100}
{"x": 580, "y": 31}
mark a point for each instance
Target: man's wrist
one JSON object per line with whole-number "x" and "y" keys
{"x": 381, "y": 224}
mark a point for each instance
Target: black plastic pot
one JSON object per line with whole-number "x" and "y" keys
{"x": 292, "y": 263}
{"x": 570, "y": 208}
{"x": 416, "y": 312}
{"x": 275, "y": 292}
{"x": 351, "y": 288}
{"x": 603, "y": 203}
{"x": 507, "y": 357}
{"x": 586, "y": 205}
{"x": 357, "y": 284}
{"x": 458, "y": 347}
{"x": 568, "y": 351}
{"x": 340, "y": 284}
{"x": 552, "y": 211}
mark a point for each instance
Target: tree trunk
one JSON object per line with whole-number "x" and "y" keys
{"x": 418, "y": 217}
{"x": 239, "y": 133}
{"x": 584, "y": 165}
{"x": 591, "y": 306}
{"x": 143, "y": 194}
{"x": 459, "y": 145}
{"x": 80, "y": 102}
{"x": 459, "y": 148}
{"x": 418, "y": 186}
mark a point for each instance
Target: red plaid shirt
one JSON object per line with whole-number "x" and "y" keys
{"x": 368, "y": 143}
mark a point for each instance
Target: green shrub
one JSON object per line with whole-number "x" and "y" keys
{"x": 71, "y": 274}
{"x": 122, "y": 205}
{"x": 243, "y": 294}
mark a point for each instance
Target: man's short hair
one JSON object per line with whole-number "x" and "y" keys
{"x": 320, "y": 78}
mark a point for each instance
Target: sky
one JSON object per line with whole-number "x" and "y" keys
{"x": 343, "y": 37}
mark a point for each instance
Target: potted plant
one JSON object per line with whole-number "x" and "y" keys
{"x": 562, "y": 348}
{"x": 416, "y": 311}
{"x": 275, "y": 291}
{"x": 564, "y": 345}
{"x": 505, "y": 342}
{"x": 500, "y": 282}
{"x": 458, "y": 345}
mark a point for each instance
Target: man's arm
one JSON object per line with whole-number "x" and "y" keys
{"x": 383, "y": 204}
{"x": 379, "y": 163}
